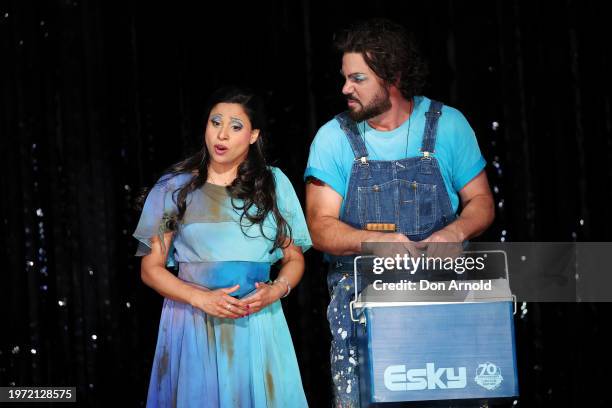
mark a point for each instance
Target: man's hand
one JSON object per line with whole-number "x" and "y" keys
{"x": 447, "y": 234}
{"x": 387, "y": 237}
{"x": 392, "y": 244}
{"x": 444, "y": 243}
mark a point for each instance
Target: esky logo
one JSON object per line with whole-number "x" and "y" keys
{"x": 397, "y": 378}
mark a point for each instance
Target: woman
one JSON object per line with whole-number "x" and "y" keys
{"x": 225, "y": 217}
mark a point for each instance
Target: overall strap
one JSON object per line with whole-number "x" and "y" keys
{"x": 431, "y": 126}
{"x": 349, "y": 127}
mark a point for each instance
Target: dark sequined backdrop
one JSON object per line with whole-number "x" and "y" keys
{"x": 99, "y": 97}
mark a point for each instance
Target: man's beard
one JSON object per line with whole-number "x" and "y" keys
{"x": 380, "y": 104}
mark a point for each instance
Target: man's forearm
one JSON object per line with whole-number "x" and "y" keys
{"x": 474, "y": 219}
{"x": 335, "y": 237}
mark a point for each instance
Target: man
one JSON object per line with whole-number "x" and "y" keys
{"x": 395, "y": 161}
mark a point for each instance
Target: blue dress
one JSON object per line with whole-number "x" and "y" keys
{"x": 205, "y": 361}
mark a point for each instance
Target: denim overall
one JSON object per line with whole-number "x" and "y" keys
{"x": 409, "y": 193}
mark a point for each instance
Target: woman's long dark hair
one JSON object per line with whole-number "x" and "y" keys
{"x": 254, "y": 184}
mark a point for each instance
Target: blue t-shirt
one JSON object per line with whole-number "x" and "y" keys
{"x": 456, "y": 150}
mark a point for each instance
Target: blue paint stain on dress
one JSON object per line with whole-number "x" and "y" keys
{"x": 204, "y": 361}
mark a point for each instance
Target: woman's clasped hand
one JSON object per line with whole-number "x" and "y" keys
{"x": 220, "y": 303}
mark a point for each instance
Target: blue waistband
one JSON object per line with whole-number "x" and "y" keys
{"x": 216, "y": 275}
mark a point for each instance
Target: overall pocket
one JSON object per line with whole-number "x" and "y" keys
{"x": 378, "y": 204}
{"x": 410, "y": 205}
{"x": 417, "y": 207}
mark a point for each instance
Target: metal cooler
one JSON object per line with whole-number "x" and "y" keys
{"x": 412, "y": 349}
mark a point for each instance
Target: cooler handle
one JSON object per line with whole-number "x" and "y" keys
{"x": 361, "y": 319}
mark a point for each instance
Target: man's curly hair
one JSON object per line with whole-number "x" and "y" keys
{"x": 389, "y": 51}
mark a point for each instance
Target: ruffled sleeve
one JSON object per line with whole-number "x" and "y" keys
{"x": 291, "y": 210}
{"x": 158, "y": 214}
